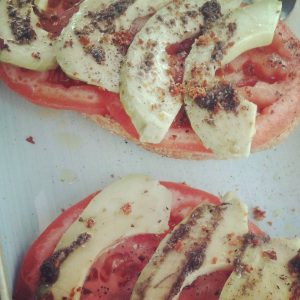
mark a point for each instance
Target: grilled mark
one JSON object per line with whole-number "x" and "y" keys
{"x": 49, "y": 270}
{"x": 20, "y": 25}
{"x": 195, "y": 257}
{"x": 252, "y": 240}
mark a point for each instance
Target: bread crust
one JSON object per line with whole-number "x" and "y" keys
{"x": 114, "y": 127}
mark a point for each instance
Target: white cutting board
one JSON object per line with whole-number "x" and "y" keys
{"x": 72, "y": 158}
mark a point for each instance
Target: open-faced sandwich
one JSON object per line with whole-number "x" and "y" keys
{"x": 143, "y": 239}
{"x": 187, "y": 78}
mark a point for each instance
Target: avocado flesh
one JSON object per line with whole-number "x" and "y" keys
{"x": 145, "y": 77}
{"x": 87, "y": 49}
{"x": 163, "y": 272}
{"x": 227, "y": 133}
{"x": 113, "y": 219}
{"x": 268, "y": 277}
{"x": 31, "y": 48}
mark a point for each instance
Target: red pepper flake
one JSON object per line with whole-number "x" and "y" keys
{"x": 178, "y": 246}
{"x": 176, "y": 89}
{"x": 214, "y": 260}
{"x": 270, "y": 223}
{"x": 270, "y": 254}
{"x": 258, "y": 214}
{"x": 122, "y": 38}
{"x": 30, "y": 140}
{"x": 90, "y": 222}
{"x": 84, "y": 41}
{"x": 126, "y": 208}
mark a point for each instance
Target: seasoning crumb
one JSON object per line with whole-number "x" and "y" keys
{"x": 30, "y": 140}
{"x": 270, "y": 254}
{"x": 126, "y": 208}
{"x": 258, "y": 214}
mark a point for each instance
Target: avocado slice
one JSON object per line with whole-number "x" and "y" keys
{"x": 22, "y": 42}
{"x": 132, "y": 205}
{"x": 145, "y": 77}
{"x": 202, "y": 243}
{"x": 223, "y": 119}
{"x": 91, "y": 47}
{"x": 267, "y": 272}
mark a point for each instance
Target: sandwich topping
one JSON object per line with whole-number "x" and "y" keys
{"x": 100, "y": 35}
{"x": 122, "y": 46}
{"x": 152, "y": 240}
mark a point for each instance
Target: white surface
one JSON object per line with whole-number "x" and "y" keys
{"x": 73, "y": 157}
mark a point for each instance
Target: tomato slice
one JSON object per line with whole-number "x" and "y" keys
{"x": 114, "y": 274}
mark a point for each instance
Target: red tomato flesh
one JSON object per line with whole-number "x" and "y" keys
{"x": 115, "y": 272}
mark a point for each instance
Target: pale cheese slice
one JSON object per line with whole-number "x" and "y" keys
{"x": 227, "y": 127}
{"x": 202, "y": 243}
{"x": 266, "y": 275}
{"x": 133, "y": 205}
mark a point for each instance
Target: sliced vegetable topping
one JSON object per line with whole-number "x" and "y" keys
{"x": 267, "y": 270}
{"x": 22, "y": 41}
{"x": 98, "y": 36}
{"x": 222, "y": 118}
{"x": 146, "y": 80}
{"x": 133, "y": 205}
{"x": 202, "y": 243}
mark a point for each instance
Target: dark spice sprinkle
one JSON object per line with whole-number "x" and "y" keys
{"x": 211, "y": 11}
{"x": 104, "y": 19}
{"x": 148, "y": 61}
{"x": 3, "y": 46}
{"x": 97, "y": 53}
{"x": 231, "y": 28}
{"x": 20, "y": 25}
{"x": 222, "y": 96}
{"x": 218, "y": 52}
{"x": 49, "y": 270}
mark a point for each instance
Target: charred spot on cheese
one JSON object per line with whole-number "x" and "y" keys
{"x": 20, "y": 25}
{"x": 211, "y": 11}
{"x": 49, "y": 270}
{"x": 221, "y": 96}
